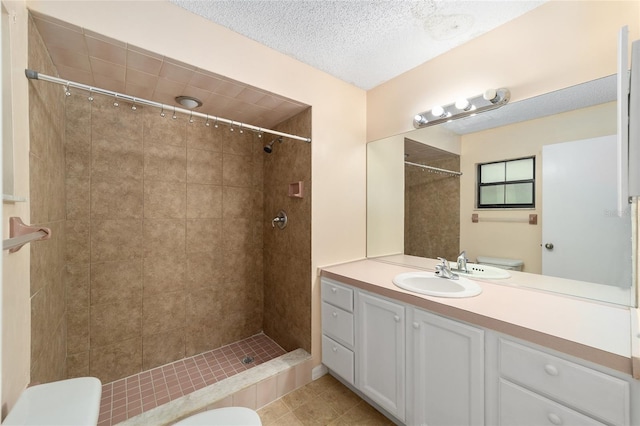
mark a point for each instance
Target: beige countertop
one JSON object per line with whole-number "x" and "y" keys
{"x": 591, "y": 330}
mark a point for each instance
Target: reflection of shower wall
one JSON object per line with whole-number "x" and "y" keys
{"x": 47, "y": 197}
{"x": 163, "y": 226}
{"x": 432, "y": 211}
{"x": 287, "y": 252}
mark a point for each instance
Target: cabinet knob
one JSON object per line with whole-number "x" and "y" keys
{"x": 396, "y": 318}
{"x": 334, "y": 290}
{"x": 551, "y": 370}
{"x": 416, "y": 325}
{"x": 335, "y": 349}
{"x": 334, "y": 314}
{"x": 554, "y": 418}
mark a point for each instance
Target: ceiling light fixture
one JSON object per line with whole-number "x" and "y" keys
{"x": 189, "y": 102}
{"x": 490, "y": 99}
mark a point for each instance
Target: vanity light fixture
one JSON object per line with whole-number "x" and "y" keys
{"x": 490, "y": 99}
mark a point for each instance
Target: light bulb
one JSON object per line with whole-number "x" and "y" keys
{"x": 437, "y": 111}
{"x": 490, "y": 94}
{"x": 463, "y": 104}
{"x": 420, "y": 119}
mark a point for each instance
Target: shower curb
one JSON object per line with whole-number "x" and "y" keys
{"x": 206, "y": 398}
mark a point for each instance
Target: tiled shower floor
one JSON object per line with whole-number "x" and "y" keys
{"x": 133, "y": 395}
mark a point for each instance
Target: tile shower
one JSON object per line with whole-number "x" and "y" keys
{"x": 164, "y": 245}
{"x": 432, "y": 210}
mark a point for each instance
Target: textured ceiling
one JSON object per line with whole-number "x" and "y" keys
{"x": 363, "y": 42}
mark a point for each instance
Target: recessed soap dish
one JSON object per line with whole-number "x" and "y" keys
{"x": 296, "y": 189}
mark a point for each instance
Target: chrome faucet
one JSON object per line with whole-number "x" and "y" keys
{"x": 443, "y": 270}
{"x": 462, "y": 262}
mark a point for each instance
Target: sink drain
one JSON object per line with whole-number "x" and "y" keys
{"x": 247, "y": 360}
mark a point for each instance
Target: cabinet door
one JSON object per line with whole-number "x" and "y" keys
{"x": 381, "y": 351}
{"x": 447, "y": 380}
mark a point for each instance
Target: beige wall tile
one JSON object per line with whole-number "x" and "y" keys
{"x": 78, "y": 191}
{"x": 237, "y": 234}
{"x": 165, "y": 162}
{"x": 77, "y": 285}
{"x": 204, "y": 270}
{"x": 236, "y": 142}
{"x": 237, "y": 202}
{"x": 78, "y": 330}
{"x": 115, "y": 281}
{"x": 204, "y": 201}
{"x": 78, "y": 241}
{"x": 207, "y": 138}
{"x": 115, "y": 322}
{"x": 164, "y": 237}
{"x": 237, "y": 170}
{"x": 78, "y": 365}
{"x": 115, "y": 361}
{"x": 204, "y": 235}
{"x": 116, "y": 198}
{"x": 204, "y": 167}
{"x": 162, "y": 348}
{"x": 163, "y": 312}
{"x": 116, "y": 159}
{"x": 164, "y": 200}
{"x": 113, "y": 240}
{"x": 163, "y": 130}
{"x": 164, "y": 273}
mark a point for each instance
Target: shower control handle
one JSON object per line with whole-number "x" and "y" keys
{"x": 280, "y": 220}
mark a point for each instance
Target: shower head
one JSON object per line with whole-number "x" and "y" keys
{"x": 268, "y": 148}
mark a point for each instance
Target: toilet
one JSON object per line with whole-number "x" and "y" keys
{"x": 76, "y": 402}
{"x": 502, "y": 263}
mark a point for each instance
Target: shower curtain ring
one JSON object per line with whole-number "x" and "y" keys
{"x": 66, "y": 90}
{"x": 115, "y": 103}
{"x": 174, "y": 113}
{"x": 191, "y": 117}
{"x": 162, "y": 114}
{"x": 90, "y": 98}
{"x": 206, "y": 123}
{"x": 241, "y": 131}
{"x": 134, "y": 107}
{"x": 231, "y": 129}
{"x": 216, "y": 123}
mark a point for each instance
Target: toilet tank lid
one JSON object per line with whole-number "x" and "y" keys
{"x": 72, "y": 402}
{"x": 499, "y": 261}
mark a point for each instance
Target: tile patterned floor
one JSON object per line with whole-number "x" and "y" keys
{"x": 133, "y": 395}
{"x": 324, "y": 401}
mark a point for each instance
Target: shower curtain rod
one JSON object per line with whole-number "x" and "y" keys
{"x": 34, "y": 75}
{"x": 435, "y": 169}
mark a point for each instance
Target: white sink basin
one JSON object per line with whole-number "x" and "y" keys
{"x": 428, "y": 283}
{"x": 481, "y": 271}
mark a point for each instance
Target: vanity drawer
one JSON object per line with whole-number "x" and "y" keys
{"x": 338, "y": 359}
{"x": 337, "y": 323}
{"x": 337, "y": 295}
{"x": 590, "y": 391}
{"x": 521, "y": 407}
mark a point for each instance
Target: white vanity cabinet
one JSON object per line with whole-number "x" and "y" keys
{"x": 338, "y": 329}
{"x": 381, "y": 352}
{"x": 538, "y": 388}
{"x": 446, "y": 380}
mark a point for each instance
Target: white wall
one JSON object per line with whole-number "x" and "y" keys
{"x": 558, "y": 44}
{"x": 16, "y": 313}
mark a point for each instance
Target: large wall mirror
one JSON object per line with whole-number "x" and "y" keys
{"x": 414, "y": 213}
